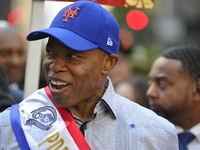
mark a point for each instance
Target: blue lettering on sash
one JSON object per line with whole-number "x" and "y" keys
{"x": 31, "y": 122}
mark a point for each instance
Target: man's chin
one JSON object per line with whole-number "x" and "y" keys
{"x": 160, "y": 113}
{"x": 158, "y": 110}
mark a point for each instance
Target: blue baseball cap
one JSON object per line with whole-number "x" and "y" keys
{"x": 82, "y": 26}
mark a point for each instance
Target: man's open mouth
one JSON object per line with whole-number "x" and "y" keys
{"x": 58, "y": 84}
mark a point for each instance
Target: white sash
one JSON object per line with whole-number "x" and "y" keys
{"x": 43, "y": 125}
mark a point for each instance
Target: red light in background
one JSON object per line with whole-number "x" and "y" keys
{"x": 16, "y": 16}
{"x": 126, "y": 38}
{"x": 136, "y": 19}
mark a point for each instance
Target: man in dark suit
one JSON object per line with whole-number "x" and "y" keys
{"x": 6, "y": 99}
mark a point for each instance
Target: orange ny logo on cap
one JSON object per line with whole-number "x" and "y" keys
{"x": 70, "y": 14}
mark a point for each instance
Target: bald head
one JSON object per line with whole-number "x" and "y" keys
{"x": 12, "y": 56}
{"x": 9, "y": 33}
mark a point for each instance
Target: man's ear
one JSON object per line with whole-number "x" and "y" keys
{"x": 110, "y": 63}
{"x": 197, "y": 91}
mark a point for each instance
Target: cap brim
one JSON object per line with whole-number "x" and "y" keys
{"x": 69, "y": 38}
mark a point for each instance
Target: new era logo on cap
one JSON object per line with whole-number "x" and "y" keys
{"x": 109, "y": 41}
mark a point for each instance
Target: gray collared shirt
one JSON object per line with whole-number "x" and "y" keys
{"x": 119, "y": 124}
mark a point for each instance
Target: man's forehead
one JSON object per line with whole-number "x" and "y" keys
{"x": 164, "y": 67}
{"x": 52, "y": 40}
{"x": 53, "y": 43}
{"x": 163, "y": 63}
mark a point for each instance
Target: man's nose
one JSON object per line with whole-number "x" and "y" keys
{"x": 152, "y": 91}
{"x": 59, "y": 64}
{"x": 15, "y": 59}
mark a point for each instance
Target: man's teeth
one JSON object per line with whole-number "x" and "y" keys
{"x": 58, "y": 82}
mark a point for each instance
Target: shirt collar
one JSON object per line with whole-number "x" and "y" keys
{"x": 108, "y": 98}
{"x": 194, "y": 130}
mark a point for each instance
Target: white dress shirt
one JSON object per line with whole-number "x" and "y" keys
{"x": 195, "y": 143}
{"x": 118, "y": 124}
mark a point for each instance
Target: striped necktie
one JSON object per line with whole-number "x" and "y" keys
{"x": 184, "y": 139}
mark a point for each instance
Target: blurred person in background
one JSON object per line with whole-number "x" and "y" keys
{"x": 12, "y": 58}
{"x": 174, "y": 92}
{"x": 134, "y": 88}
{"x": 6, "y": 99}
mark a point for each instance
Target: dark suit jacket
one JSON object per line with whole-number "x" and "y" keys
{"x": 17, "y": 94}
{"x": 6, "y": 99}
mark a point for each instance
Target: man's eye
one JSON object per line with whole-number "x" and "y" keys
{"x": 21, "y": 53}
{"x": 162, "y": 85}
{"x": 49, "y": 51}
{"x": 73, "y": 56}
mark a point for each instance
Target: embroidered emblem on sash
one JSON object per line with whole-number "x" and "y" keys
{"x": 70, "y": 14}
{"x": 43, "y": 118}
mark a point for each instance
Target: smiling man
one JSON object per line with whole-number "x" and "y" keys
{"x": 174, "y": 91}
{"x": 79, "y": 108}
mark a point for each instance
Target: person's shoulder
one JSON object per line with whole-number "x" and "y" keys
{"x": 144, "y": 116}
{"x": 5, "y": 117}
{"x": 6, "y": 131}
{"x": 146, "y": 125}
